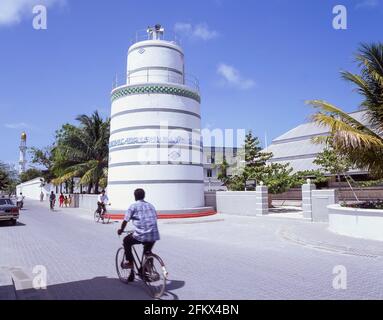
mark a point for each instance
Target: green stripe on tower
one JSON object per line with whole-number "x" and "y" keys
{"x": 165, "y": 89}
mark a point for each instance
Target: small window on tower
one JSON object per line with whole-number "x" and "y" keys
{"x": 209, "y": 173}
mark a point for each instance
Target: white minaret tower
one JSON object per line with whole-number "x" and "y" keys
{"x": 155, "y": 138}
{"x": 23, "y": 149}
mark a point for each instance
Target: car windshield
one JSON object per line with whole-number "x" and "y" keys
{"x": 4, "y": 202}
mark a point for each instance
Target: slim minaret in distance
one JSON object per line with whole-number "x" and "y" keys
{"x": 23, "y": 150}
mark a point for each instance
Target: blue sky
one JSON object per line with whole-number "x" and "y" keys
{"x": 257, "y": 60}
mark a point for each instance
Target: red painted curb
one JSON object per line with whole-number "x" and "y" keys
{"x": 187, "y": 215}
{"x": 168, "y": 216}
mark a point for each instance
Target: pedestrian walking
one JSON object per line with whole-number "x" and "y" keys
{"x": 52, "y": 201}
{"x": 69, "y": 200}
{"x": 61, "y": 200}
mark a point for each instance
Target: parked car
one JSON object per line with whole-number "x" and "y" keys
{"x": 8, "y": 211}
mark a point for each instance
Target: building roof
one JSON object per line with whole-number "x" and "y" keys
{"x": 291, "y": 150}
{"x": 302, "y": 131}
{"x": 296, "y": 146}
{"x": 300, "y": 164}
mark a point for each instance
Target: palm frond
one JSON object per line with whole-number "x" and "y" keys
{"x": 320, "y": 139}
{"x": 345, "y": 135}
{"x": 336, "y": 113}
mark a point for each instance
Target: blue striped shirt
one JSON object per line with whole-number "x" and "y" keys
{"x": 144, "y": 217}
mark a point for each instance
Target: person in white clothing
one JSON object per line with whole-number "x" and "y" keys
{"x": 102, "y": 201}
{"x": 20, "y": 200}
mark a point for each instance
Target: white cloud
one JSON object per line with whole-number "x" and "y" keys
{"x": 233, "y": 77}
{"x": 199, "y": 31}
{"x": 367, "y": 4}
{"x": 19, "y": 125}
{"x": 13, "y": 11}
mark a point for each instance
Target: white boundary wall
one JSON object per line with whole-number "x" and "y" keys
{"x": 32, "y": 189}
{"x": 236, "y": 202}
{"x": 358, "y": 223}
{"x": 88, "y": 201}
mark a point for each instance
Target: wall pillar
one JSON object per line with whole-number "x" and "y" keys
{"x": 321, "y": 199}
{"x": 307, "y": 188}
{"x": 261, "y": 200}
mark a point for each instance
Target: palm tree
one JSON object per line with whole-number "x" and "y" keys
{"x": 362, "y": 144}
{"x": 8, "y": 178}
{"x": 83, "y": 152}
{"x": 4, "y": 177}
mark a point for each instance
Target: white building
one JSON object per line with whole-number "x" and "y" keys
{"x": 155, "y": 141}
{"x": 212, "y": 159}
{"x": 296, "y": 147}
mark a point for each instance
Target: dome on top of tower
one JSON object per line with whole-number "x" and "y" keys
{"x": 24, "y": 136}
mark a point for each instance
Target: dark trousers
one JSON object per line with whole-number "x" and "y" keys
{"x": 129, "y": 241}
{"x": 101, "y": 208}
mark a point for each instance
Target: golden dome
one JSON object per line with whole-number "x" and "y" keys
{"x": 24, "y": 136}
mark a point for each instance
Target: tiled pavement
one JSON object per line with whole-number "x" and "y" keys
{"x": 220, "y": 257}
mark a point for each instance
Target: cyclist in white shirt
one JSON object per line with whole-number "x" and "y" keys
{"x": 102, "y": 201}
{"x": 20, "y": 200}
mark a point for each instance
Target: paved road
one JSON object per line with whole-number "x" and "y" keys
{"x": 220, "y": 257}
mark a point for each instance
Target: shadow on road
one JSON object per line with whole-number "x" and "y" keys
{"x": 100, "y": 288}
{"x": 7, "y": 293}
{"x": 285, "y": 210}
{"x": 7, "y": 224}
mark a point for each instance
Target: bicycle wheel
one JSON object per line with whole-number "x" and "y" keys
{"x": 105, "y": 218}
{"x": 154, "y": 275}
{"x": 125, "y": 275}
{"x": 97, "y": 216}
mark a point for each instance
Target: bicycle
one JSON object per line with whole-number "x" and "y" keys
{"x": 101, "y": 216}
{"x": 150, "y": 269}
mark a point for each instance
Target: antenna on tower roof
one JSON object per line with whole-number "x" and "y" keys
{"x": 156, "y": 32}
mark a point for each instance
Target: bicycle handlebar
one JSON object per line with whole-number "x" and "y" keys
{"x": 127, "y": 232}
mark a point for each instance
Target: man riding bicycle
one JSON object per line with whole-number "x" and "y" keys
{"x": 102, "y": 201}
{"x": 144, "y": 217}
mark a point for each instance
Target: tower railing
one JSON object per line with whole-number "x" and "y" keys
{"x": 156, "y": 76}
{"x": 142, "y": 35}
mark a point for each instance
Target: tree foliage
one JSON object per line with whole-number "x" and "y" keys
{"x": 332, "y": 161}
{"x": 316, "y": 176}
{"x": 257, "y": 166}
{"x": 8, "y": 178}
{"x": 4, "y": 177}
{"x": 82, "y": 151}
{"x": 30, "y": 174}
{"x": 223, "y": 171}
{"x": 79, "y": 151}
{"x": 361, "y": 144}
